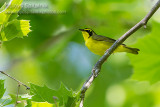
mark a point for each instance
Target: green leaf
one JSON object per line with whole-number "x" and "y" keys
{"x": 42, "y": 104}
{"x": 63, "y": 96}
{"x": 15, "y": 28}
{"x": 13, "y": 8}
{"x": 3, "y": 7}
{"x": 2, "y": 89}
{"x": 10, "y": 27}
{"x": 29, "y": 103}
{"x": 3, "y": 101}
{"x": 12, "y": 16}
{"x": 24, "y": 99}
{"x": 147, "y": 63}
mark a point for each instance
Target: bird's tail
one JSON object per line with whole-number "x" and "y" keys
{"x": 132, "y": 50}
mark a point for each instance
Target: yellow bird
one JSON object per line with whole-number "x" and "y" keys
{"x": 99, "y": 44}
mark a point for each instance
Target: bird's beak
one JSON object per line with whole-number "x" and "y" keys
{"x": 81, "y": 29}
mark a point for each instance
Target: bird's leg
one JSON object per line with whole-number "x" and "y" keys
{"x": 93, "y": 71}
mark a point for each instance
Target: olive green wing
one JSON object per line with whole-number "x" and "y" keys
{"x": 103, "y": 38}
{"x": 110, "y": 40}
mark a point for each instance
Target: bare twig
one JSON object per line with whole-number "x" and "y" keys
{"x": 97, "y": 67}
{"x": 20, "y": 83}
{"x": 55, "y": 100}
{"x": 17, "y": 95}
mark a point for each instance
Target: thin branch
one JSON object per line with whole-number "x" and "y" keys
{"x": 55, "y": 100}
{"x": 19, "y": 82}
{"x": 17, "y": 95}
{"x": 97, "y": 67}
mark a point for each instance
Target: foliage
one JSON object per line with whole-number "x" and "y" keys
{"x": 10, "y": 27}
{"x": 2, "y": 88}
{"x": 63, "y": 96}
{"x": 54, "y": 54}
{"x": 3, "y": 101}
{"x": 146, "y": 64}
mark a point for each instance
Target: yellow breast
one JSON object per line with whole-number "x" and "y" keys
{"x": 97, "y": 47}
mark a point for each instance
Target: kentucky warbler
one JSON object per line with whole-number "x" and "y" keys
{"x": 99, "y": 44}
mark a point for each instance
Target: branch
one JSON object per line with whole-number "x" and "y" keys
{"x": 97, "y": 68}
{"x": 17, "y": 95}
{"x": 20, "y": 83}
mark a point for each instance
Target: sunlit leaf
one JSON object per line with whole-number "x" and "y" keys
{"x": 10, "y": 27}
{"x": 15, "y": 28}
{"x": 42, "y": 104}
{"x": 13, "y": 7}
{"x": 147, "y": 63}
{"x": 63, "y": 96}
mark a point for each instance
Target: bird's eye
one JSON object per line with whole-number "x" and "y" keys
{"x": 90, "y": 32}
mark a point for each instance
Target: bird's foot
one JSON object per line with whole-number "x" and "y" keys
{"x": 94, "y": 72}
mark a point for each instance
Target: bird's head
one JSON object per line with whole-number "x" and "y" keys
{"x": 87, "y": 33}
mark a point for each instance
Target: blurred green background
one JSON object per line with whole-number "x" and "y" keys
{"x": 54, "y": 51}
